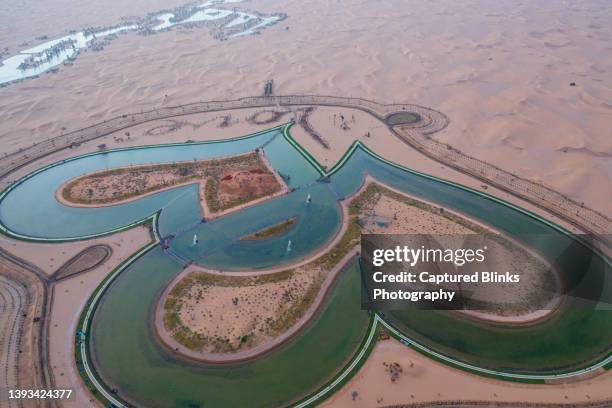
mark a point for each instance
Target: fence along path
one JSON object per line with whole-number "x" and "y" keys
{"x": 416, "y": 135}
{"x": 579, "y": 215}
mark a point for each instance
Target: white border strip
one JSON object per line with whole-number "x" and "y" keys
{"x": 409, "y": 342}
{"x": 345, "y": 373}
{"x": 7, "y": 231}
{"x": 94, "y": 303}
{"x": 323, "y": 392}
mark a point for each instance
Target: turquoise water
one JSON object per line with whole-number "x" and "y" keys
{"x": 129, "y": 359}
{"x": 31, "y": 208}
{"x": 220, "y": 247}
{"x": 125, "y": 352}
{"x": 289, "y": 162}
{"x": 500, "y": 216}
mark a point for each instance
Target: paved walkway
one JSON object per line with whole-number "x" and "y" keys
{"x": 416, "y": 135}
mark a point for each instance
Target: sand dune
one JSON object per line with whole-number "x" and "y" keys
{"x": 501, "y": 73}
{"x": 500, "y": 70}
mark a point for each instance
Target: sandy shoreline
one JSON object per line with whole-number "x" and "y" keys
{"x": 253, "y": 353}
{"x": 426, "y": 381}
{"x": 460, "y": 58}
{"x": 173, "y": 346}
{"x": 207, "y": 214}
{"x": 534, "y": 123}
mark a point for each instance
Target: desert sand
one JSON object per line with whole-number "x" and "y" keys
{"x": 423, "y": 380}
{"x": 240, "y": 314}
{"x": 70, "y": 296}
{"x": 458, "y": 58}
{"x": 232, "y": 316}
{"x": 501, "y": 71}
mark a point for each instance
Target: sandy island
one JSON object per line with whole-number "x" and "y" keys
{"x": 530, "y": 121}
{"x": 227, "y": 317}
{"x": 271, "y": 231}
{"x": 225, "y": 184}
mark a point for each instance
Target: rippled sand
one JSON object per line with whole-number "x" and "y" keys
{"x": 501, "y": 72}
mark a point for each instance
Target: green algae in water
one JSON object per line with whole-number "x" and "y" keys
{"x": 129, "y": 360}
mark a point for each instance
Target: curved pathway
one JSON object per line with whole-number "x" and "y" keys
{"x": 355, "y": 362}
{"x": 92, "y": 303}
{"x": 39, "y": 292}
{"x": 416, "y": 135}
{"x": 13, "y": 300}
